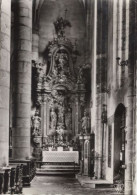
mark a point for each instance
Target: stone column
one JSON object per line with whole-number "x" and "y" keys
{"x": 130, "y": 130}
{"x": 21, "y": 132}
{"x": 129, "y": 148}
{"x": 98, "y": 137}
{"x": 101, "y": 81}
{"x": 5, "y": 22}
{"x": 93, "y": 34}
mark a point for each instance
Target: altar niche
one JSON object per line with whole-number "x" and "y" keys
{"x": 60, "y": 92}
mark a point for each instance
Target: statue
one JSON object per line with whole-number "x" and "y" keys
{"x": 53, "y": 119}
{"x": 36, "y": 120}
{"x": 61, "y": 67}
{"x": 60, "y": 26}
{"x": 61, "y": 115}
{"x": 60, "y": 132}
{"x": 68, "y": 119}
{"x": 85, "y": 123}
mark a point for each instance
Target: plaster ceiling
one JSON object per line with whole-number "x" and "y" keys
{"x": 50, "y": 10}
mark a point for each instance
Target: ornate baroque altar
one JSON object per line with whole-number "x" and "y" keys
{"x": 58, "y": 93}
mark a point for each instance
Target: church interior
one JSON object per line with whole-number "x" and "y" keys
{"x": 68, "y": 98}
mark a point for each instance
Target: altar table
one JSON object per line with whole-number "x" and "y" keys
{"x": 60, "y": 156}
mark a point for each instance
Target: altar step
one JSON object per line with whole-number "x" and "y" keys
{"x": 58, "y": 169}
{"x": 87, "y": 182}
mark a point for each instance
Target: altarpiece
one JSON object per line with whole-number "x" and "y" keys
{"x": 59, "y": 93}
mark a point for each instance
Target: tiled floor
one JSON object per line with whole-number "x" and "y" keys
{"x": 60, "y": 185}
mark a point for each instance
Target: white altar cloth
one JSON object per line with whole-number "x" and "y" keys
{"x": 60, "y": 156}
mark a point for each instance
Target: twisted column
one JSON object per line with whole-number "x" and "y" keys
{"x": 21, "y": 133}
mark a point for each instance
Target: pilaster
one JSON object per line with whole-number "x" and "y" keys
{"x": 5, "y": 24}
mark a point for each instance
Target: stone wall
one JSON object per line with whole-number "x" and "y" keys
{"x": 119, "y": 84}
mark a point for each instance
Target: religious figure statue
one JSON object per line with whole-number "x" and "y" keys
{"x": 68, "y": 119}
{"x": 61, "y": 67}
{"x": 85, "y": 121}
{"x": 53, "y": 119}
{"x": 60, "y": 132}
{"x": 61, "y": 115}
{"x": 36, "y": 120}
{"x": 60, "y": 26}
{"x": 61, "y": 61}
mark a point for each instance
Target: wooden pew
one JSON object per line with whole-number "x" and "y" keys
{"x": 18, "y": 174}
{"x": 28, "y": 170}
{"x": 6, "y": 187}
{"x": 16, "y": 183}
{"x": 12, "y": 180}
{"x": 1, "y": 181}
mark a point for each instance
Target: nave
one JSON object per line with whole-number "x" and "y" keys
{"x": 62, "y": 185}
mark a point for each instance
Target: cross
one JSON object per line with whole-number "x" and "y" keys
{"x": 66, "y": 12}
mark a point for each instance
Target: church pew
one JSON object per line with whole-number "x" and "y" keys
{"x": 28, "y": 170}
{"x": 1, "y": 181}
{"x": 12, "y": 180}
{"x": 6, "y": 181}
{"x": 16, "y": 178}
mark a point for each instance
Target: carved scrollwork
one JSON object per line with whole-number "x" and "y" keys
{"x": 39, "y": 69}
{"x": 63, "y": 92}
{"x": 82, "y": 100}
